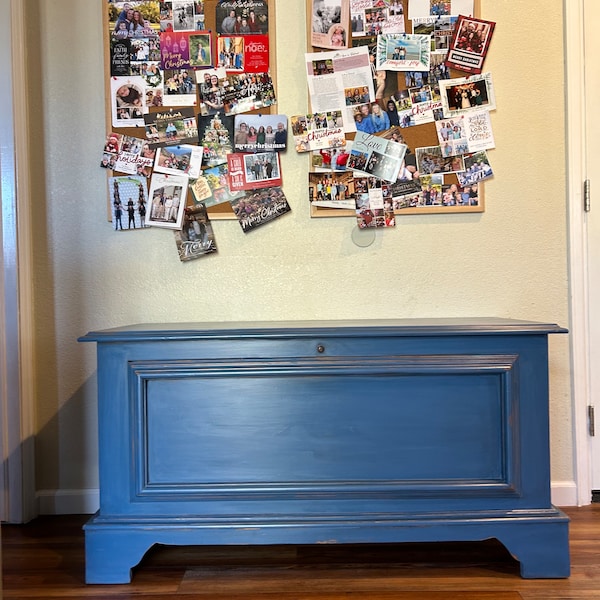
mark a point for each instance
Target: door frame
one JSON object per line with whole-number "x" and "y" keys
{"x": 575, "y": 121}
{"x": 17, "y": 368}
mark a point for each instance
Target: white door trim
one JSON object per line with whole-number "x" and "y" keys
{"x": 578, "y": 255}
{"x": 17, "y": 369}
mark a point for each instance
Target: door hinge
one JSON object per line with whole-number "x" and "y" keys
{"x": 586, "y": 196}
{"x": 591, "y": 421}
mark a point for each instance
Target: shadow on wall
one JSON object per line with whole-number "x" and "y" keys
{"x": 67, "y": 448}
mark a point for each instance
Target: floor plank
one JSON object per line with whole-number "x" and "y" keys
{"x": 45, "y": 560}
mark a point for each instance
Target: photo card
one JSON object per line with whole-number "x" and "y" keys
{"x": 111, "y": 150}
{"x": 196, "y": 237}
{"x": 477, "y": 169}
{"x": 212, "y": 186}
{"x": 318, "y": 130}
{"x": 179, "y": 88}
{"x": 466, "y": 94}
{"x": 128, "y": 101}
{"x": 328, "y": 28}
{"x": 376, "y": 156}
{"x": 167, "y": 198}
{"x": 331, "y": 159}
{"x": 181, "y": 159}
{"x": 439, "y": 8}
{"x": 253, "y": 171}
{"x": 131, "y": 152}
{"x": 200, "y": 50}
{"x": 259, "y": 207}
{"x": 182, "y": 15}
{"x": 242, "y": 17}
{"x": 171, "y": 127}
{"x": 373, "y": 204}
{"x": 243, "y": 54}
{"x": 215, "y": 133}
{"x": 234, "y": 93}
{"x": 430, "y": 160}
{"x": 456, "y": 195}
{"x": 258, "y": 132}
{"x": 469, "y": 44}
{"x": 403, "y": 52}
{"x": 128, "y": 197}
{"x": 452, "y": 135}
{"x": 134, "y": 18}
{"x": 331, "y": 190}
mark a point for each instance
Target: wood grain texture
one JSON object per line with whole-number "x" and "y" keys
{"x": 45, "y": 559}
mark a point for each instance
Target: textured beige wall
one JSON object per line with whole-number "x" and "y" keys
{"x": 510, "y": 261}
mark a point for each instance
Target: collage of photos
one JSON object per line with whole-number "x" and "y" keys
{"x": 398, "y": 118}
{"x": 180, "y": 71}
{"x": 374, "y": 206}
{"x": 416, "y": 95}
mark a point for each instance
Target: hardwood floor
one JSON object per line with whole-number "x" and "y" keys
{"x": 45, "y": 559}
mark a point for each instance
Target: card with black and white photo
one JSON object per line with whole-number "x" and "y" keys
{"x": 167, "y": 197}
{"x": 328, "y": 27}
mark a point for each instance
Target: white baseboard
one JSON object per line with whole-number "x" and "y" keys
{"x": 83, "y": 502}
{"x": 564, "y": 493}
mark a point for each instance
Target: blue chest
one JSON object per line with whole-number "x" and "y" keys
{"x": 324, "y": 432}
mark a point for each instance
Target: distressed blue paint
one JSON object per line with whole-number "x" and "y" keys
{"x": 311, "y": 432}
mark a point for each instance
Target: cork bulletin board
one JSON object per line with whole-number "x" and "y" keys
{"x": 397, "y": 87}
{"x": 206, "y": 18}
{"x": 399, "y": 120}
